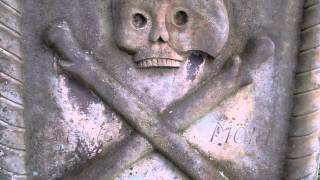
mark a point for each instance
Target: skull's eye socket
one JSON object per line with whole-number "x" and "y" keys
{"x": 180, "y": 18}
{"x": 139, "y": 20}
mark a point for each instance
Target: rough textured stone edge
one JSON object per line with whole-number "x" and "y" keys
{"x": 303, "y": 141}
{"x": 12, "y": 145}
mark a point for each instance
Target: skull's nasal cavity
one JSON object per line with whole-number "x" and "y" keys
{"x": 160, "y": 37}
{"x": 160, "y": 34}
{"x": 160, "y": 40}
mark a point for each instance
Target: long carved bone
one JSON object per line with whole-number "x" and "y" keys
{"x": 200, "y": 101}
{"x": 143, "y": 119}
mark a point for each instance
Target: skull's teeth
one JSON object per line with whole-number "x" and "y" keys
{"x": 158, "y": 62}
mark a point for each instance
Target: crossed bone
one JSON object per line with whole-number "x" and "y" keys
{"x": 161, "y": 130}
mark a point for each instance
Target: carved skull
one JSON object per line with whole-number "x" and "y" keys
{"x": 163, "y": 33}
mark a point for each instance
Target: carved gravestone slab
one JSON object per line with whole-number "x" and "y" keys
{"x": 159, "y": 89}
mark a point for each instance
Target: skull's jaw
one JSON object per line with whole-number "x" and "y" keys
{"x": 159, "y": 63}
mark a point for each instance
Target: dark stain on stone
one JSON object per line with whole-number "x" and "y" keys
{"x": 82, "y": 95}
{"x": 195, "y": 60}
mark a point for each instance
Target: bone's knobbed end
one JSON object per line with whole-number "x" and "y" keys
{"x": 259, "y": 50}
{"x": 56, "y": 32}
{"x": 59, "y": 36}
{"x": 266, "y": 47}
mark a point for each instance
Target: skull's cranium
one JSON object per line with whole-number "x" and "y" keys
{"x": 162, "y": 33}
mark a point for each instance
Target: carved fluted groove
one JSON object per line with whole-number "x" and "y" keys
{"x": 15, "y": 4}
{"x": 8, "y": 53}
{"x": 7, "y": 125}
{"x": 310, "y": 29}
{"x": 9, "y": 76}
{"x": 6, "y": 77}
{"x": 11, "y": 11}
{"x": 10, "y": 43}
{"x": 18, "y": 81}
{"x": 12, "y": 139}
{"x": 309, "y": 61}
{"x": 308, "y": 81}
{"x": 11, "y": 89}
{"x": 306, "y": 103}
{"x": 12, "y": 161}
{"x": 309, "y": 3}
{"x": 12, "y": 131}
{"x": 11, "y": 113}
{"x": 303, "y": 146}
{"x": 305, "y": 125}
{"x": 312, "y": 17}
{"x": 8, "y": 171}
{"x": 10, "y": 30}
{"x": 11, "y": 149}
{"x": 10, "y": 19}
{"x": 302, "y": 167}
{"x": 303, "y": 141}
{"x": 11, "y": 67}
{"x": 11, "y": 175}
{"x": 4, "y": 52}
{"x": 310, "y": 176}
{"x": 310, "y": 38}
